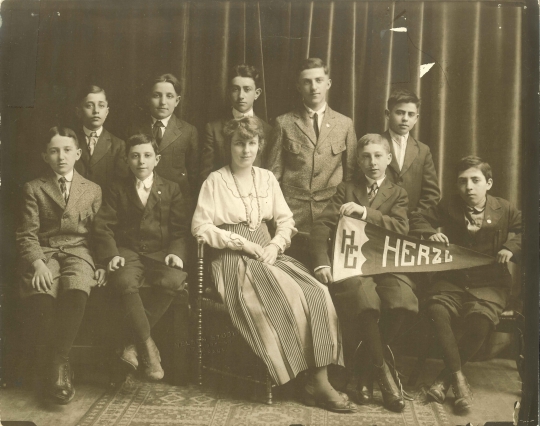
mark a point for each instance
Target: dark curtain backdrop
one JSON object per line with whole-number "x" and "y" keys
{"x": 471, "y": 97}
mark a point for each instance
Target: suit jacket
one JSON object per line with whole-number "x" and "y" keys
{"x": 108, "y": 161}
{"x": 500, "y": 219}
{"x": 155, "y": 230}
{"x": 215, "y": 154}
{"x": 179, "y": 150}
{"x": 388, "y": 210}
{"x": 49, "y": 225}
{"x": 417, "y": 176}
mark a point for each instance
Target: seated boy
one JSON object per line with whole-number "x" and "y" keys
{"x": 58, "y": 269}
{"x": 103, "y": 154}
{"x": 140, "y": 234}
{"x": 360, "y": 301}
{"x": 476, "y": 220}
{"x": 244, "y": 89}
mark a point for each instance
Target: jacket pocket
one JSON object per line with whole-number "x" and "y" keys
{"x": 84, "y": 218}
{"x": 338, "y": 147}
{"x": 293, "y": 147}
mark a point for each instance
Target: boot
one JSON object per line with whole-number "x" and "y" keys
{"x": 392, "y": 397}
{"x": 151, "y": 360}
{"x": 462, "y": 391}
{"x": 364, "y": 387}
{"x": 60, "y": 381}
{"x": 129, "y": 357}
{"x": 440, "y": 386}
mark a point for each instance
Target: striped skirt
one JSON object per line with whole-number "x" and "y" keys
{"x": 285, "y": 315}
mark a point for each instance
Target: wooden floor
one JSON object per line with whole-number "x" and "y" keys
{"x": 495, "y": 384}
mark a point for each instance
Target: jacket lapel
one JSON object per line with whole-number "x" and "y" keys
{"x": 360, "y": 191}
{"x": 155, "y": 193}
{"x": 102, "y": 146}
{"x": 492, "y": 214}
{"x": 78, "y": 187}
{"x": 304, "y": 123}
{"x": 172, "y": 131}
{"x": 410, "y": 154}
{"x": 394, "y": 163}
{"x": 132, "y": 194}
{"x": 52, "y": 189}
{"x": 382, "y": 194}
{"x": 327, "y": 125}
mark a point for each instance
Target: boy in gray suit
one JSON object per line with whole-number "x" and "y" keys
{"x": 58, "y": 270}
{"x": 311, "y": 152}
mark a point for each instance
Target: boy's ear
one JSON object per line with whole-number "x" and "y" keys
{"x": 158, "y": 157}
{"x": 258, "y": 92}
{"x": 45, "y": 157}
{"x": 329, "y": 83}
{"x": 79, "y": 153}
{"x": 387, "y": 113}
{"x": 489, "y": 183}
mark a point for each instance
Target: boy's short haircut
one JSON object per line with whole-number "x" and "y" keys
{"x": 402, "y": 96}
{"x": 247, "y": 71}
{"x": 247, "y": 127}
{"x": 141, "y": 139}
{"x": 372, "y": 138}
{"x": 311, "y": 63}
{"x": 86, "y": 90}
{"x": 165, "y": 78}
{"x": 62, "y": 131}
{"x": 472, "y": 161}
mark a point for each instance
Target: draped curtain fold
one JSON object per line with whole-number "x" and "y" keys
{"x": 471, "y": 97}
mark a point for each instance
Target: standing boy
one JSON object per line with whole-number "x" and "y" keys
{"x": 57, "y": 265}
{"x": 244, "y": 88}
{"x": 311, "y": 152}
{"x": 103, "y": 154}
{"x": 477, "y": 296}
{"x": 140, "y": 234}
{"x": 361, "y": 301}
{"x": 177, "y": 140}
{"x": 412, "y": 164}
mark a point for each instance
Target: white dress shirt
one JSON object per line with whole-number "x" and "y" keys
{"x": 320, "y": 115}
{"x": 165, "y": 122}
{"x": 68, "y": 177}
{"x": 88, "y": 132}
{"x": 143, "y": 188}
{"x": 237, "y": 115}
{"x": 400, "y": 146}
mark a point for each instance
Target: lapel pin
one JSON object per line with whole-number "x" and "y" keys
{"x": 327, "y": 125}
{"x": 489, "y": 221}
{"x": 159, "y": 192}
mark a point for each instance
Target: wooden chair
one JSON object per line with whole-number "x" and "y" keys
{"x": 220, "y": 347}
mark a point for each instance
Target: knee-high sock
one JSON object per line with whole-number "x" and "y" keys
{"x": 157, "y": 305}
{"x": 136, "y": 316}
{"x": 478, "y": 327}
{"x": 37, "y": 320}
{"x": 70, "y": 312}
{"x": 371, "y": 336}
{"x": 390, "y": 324}
{"x": 441, "y": 322}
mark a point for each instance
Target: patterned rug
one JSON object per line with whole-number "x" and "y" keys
{"x": 139, "y": 403}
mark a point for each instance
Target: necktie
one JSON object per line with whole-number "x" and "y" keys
{"x": 470, "y": 213}
{"x": 92, "y": 141}
{"x": 141, "y": 190}
{"x": 372, "y": 192}
{"x": 316, "y": 125}
{"x": 63, "y": 188}
{"x": 157, "y": 131}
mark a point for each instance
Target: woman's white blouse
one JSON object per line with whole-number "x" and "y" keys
{"x": 220, "y": 203}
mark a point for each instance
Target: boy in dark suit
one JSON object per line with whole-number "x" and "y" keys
{"x": 360, "y": 301}
{"x": 244, "y": 88}
{"x": 311, "y": 152}
{"x": 177, "y": 141}
{"x": 103, "y": 154}
{"x": 58, "y": 270}
{"x": 412, "y": 164}
{"x": 482, "y": 223}
{"x": 140, "y": 232}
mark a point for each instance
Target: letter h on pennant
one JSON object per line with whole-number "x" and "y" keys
{"x": 348, "y": 249}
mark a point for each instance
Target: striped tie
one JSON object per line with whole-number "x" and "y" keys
{"x": 63, "y": 188}
{"x": 372, "y": 192}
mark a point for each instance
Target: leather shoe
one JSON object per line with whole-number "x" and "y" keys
{"x": 60, "y": 387}
{"x": 364, "y": 387}
{"x": 151, "y": 360}
{"x": 341, "y": 406}
{"x": 129, "y": 357}
{"x": 462, "y": 391}
{"x": 392, "y": 398}
{"x": 440, "y": 386}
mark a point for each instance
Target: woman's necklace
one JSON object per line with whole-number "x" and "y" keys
{"x": 248, "y": 216}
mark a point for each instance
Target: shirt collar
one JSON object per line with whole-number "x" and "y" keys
{"x": 478, "y": 208}
{"x": 68, "y": 177}
{"x": 371, "y": 181}
{"x": 88, "y": 132}
{"x": 319, "y": 112}
{"x": 165, "y": 121}
{"x": 398, "y": 138}
{"x": 147, "y": 183}
{"x": 238, "y": 115}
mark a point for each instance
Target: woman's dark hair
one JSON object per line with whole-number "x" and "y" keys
{"x": 246, "y": 128}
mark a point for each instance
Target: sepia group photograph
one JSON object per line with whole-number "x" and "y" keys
{"x": 269, "y": 213}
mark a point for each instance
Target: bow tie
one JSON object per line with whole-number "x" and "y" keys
{"x": 475, "y": 210}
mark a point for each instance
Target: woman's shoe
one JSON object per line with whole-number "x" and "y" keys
{"x": 129, "y": 357}
{"x": 342, "y": 406}
{"x": 440, "y": 386}
{"x": 392, "y": 397}
{"x": 462, "y": 391}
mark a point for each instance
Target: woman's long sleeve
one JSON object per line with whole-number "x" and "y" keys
{"x": 283, "y": 218}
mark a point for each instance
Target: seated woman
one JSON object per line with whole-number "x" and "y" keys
{"x": 285, "y": 315}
